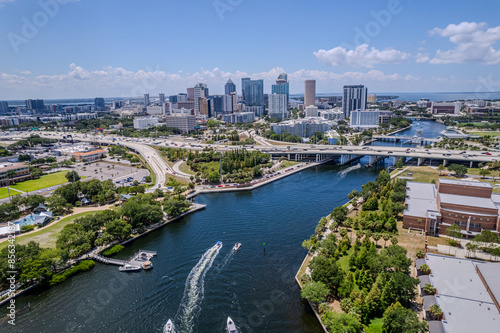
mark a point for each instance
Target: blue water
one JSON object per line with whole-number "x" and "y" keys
{"x": 433, "y": 96}
{"x": 197, "y": 287}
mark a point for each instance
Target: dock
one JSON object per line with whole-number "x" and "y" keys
{"x": 137, "y": 260}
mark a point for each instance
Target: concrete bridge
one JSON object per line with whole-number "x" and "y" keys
{"x": 412, "y": 139}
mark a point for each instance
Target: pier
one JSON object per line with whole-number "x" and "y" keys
{"x": 137, "y": 260}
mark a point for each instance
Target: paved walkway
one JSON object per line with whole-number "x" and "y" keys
{"x": 178, "y": 171}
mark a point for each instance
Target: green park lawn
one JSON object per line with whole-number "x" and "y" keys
{"x": 47, "y": 236}
{"x": 484, "y": 133}
{"x": 42, "y": 182}
{"x": 4, "y": 193}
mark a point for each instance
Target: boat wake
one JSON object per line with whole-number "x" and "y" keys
{"x": 344, "y": 172}
{"x": 227, "y": 259}
{"x": 194, "y": 290}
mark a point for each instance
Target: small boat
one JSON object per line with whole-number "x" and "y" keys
{"x": 129, "y": 268}
{"x": 236, "y": 246}
{"x": 169, "y": 327}
{"x": 231, "y": 327}
{"x": 147, "y": 265}
{"x": 219, "y": 244}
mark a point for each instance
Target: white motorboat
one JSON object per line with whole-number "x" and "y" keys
{"x": 129, "y": 268}
{"x": 169, "y": 327}
{"x": 219, "y": 244}
{"x": 231, "y": 327}
{"x": 236, "y": 246}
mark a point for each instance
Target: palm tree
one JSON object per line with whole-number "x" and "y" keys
{"x": 386, "y": 237}
{"x": 376, "y": 238}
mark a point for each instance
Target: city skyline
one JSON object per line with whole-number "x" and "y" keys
{"x": 393, "y": 46}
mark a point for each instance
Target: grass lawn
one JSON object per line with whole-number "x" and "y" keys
{"x": 4, "y": 193}
{"x": 185, "y": 168}
{"x": 375, "y": 326}
{"x": 426, "y": 174}
{"x": 344, "y": 260}
{"x": 47, "y": 236}
{"x": 42, "y": 182}
{"x": 484, "y": 133}
{"x": 287, "y": 164}
{"x": 475, "y": 171}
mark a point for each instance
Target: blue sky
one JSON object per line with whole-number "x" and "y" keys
{"x": 119, "y": 48}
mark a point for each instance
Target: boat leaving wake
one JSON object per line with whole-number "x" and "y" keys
{"x": 344, "y": 172}
{"x": 194, "y": 290}
{"x": 225, "y": 261}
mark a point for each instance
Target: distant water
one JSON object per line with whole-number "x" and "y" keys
{"x": 437, "y": 97}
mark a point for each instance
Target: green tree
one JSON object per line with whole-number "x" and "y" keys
{"x": 339, "y": 214}
{"x": 436, "y": 311}
{"x": 315, "y": 292}
{"x": 341, "y": 323}
{"x": 327, "y": 270}
{"x": 440, "y": 168}
{"x": 213, "y": 177}
{"x": 429, "y": 289}
{"x": 397, "y": 319}
{"x": 454, "y": 231}
{"x": 212, "y": 123}
{"x": 399, "y": 164}
{"x": 400, "y": 287}
{"x": 119, "y": 229}
{"x": 484, "y": 172}
{"x": 371, "y": 204}
{"x": 72, "y": 176}
{"x": 425, "y": 269}
{"x": 459, "y": 169}
{"x": 420, "y": 254}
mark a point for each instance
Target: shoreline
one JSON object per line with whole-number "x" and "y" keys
{"x": 311, "y": 255}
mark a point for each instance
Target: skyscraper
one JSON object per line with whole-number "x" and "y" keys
{"x": 200, "y": 91}
{"x": 162, "y": 99}
{"x": 354, "y": 98}
{"x": 146, "y": 99}
{"x": 35, "y": 104}
{"x": 205, "y": 106}
{"x": 99, "y": 103}
{"x": 282, "y": 87}
{"x": 223, "y": 104}
{"x": 4, "y": 107}
{"x": 229, "y": 87}
{"x": 190, "y": 94}
{"x": 310, "y": 93}
{"x": 277, "y": 106}
{"x": 253, "y": 92}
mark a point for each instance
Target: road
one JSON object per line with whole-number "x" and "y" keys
{"x": 143, "y": 146}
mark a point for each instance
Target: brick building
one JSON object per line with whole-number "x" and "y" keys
{"x": 20, "y": 172}
{"x": 90, "y": 155}
{"x": 471, "y": 205}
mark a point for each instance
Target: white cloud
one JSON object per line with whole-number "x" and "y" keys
{"x": 362, "y": 56}
{"x": 422, "y": 57}
{"x": 26, "y": 72}
{"x": 80, "y": 82}
{"x": 3, "y": 2}
{"x": 474, "y": 44}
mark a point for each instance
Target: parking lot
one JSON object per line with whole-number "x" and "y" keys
{"x": 104, "y": 170}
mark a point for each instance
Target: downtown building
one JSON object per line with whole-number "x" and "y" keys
{"x": 282, "y": 87}
{"x": 354, "y": 98}
{"x": 199, "y": 91}
{"x": 303, "y": 128}
{"x": 239, "y": 117}
{"x": 278, "y": 106}
{"x": 253, "y": 95}
{"x": 310, "y": 93}
{"x": 223, "y": 104}
{"x": 471, "y": 205}
{"x": 364, "y": 119}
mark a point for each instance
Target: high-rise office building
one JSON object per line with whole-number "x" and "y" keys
{"x": 277, "y": 106}
{"x": 282, "y": 87}
{"x": 230, "y": 87}
{"x": 190, "y": 94}
{"x": 205, "y": 106}
{"x": 182, "y": 97}
{"x": 146, "y": 99}
{"x": 200, "y": 91}
{"x": 4, "y": 107}
{"x": 310, "y": 93}
{"x": 253, "y": 92}
{"x": 162, "y": 99}
{"x": 99, "y": 103}
{"x": 172, "y": 99}
{"x": 223, "y": 104}
{"x": 354, "y": 98}
{"x": 35, "y": 104}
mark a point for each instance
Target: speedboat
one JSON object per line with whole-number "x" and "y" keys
{"x": 231, "y": 327}
{"x": 236, "y": 246}
{"x": 219, "y": 244}
{"x": 169, "y": 327}
{"x": 129, "y": 268}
